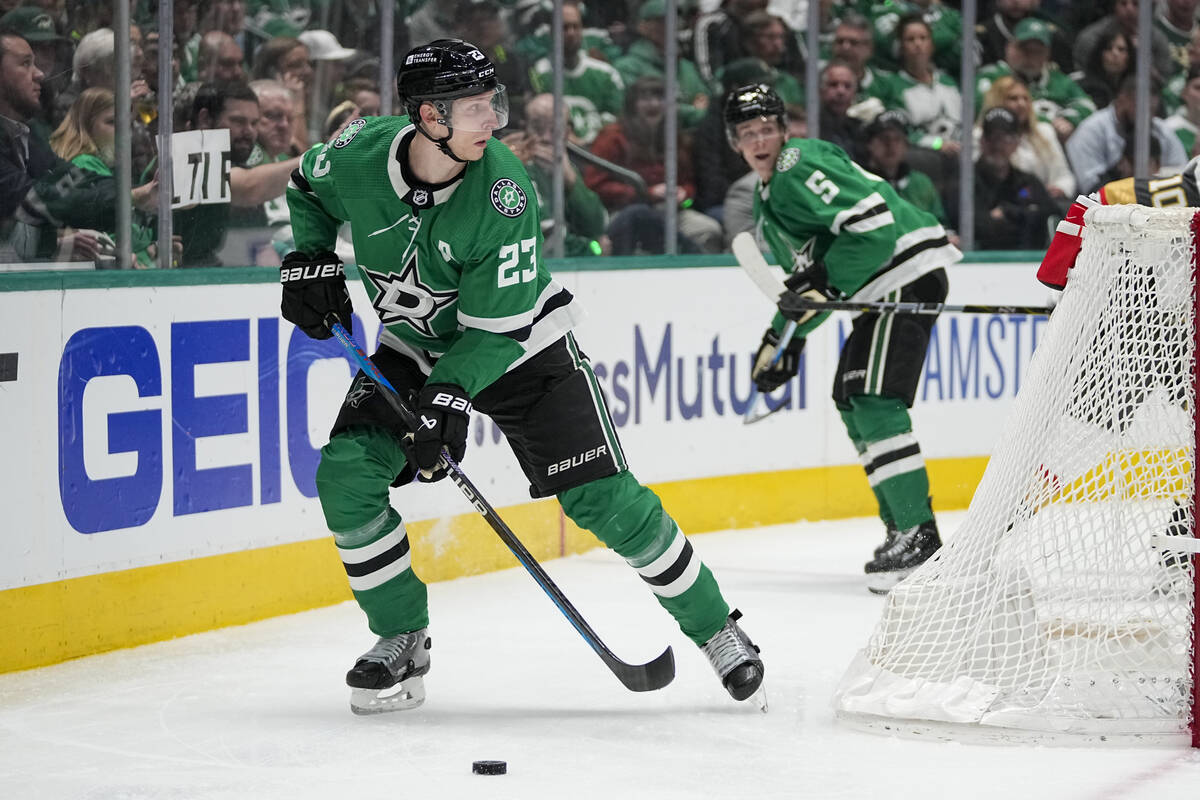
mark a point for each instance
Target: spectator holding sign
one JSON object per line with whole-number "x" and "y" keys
{"x": 231, "y": 106}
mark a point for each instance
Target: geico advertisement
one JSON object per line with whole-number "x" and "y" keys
{"x": 156, "y": 424}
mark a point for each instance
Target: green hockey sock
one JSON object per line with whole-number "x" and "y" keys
{"x": 629, "y": 519}
{"x": 891, "y": 457}
{"x": 356, "y": 469}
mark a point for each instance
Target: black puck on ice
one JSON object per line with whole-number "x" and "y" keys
{"x": 489, "y": 767}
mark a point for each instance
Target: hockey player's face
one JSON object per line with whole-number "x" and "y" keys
{"x": 480, "y": 113}
{"x": 473, "y": 120}
{"x": 759, "y": 141}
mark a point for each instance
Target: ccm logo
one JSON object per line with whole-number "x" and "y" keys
{"x": 309, "y": 272}
{"x": 453, "y": 402}
{"x": 575, "y": 461}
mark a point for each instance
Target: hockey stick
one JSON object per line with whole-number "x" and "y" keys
{"x": 751, "y": 416}
{"x": 636, "y": 677}
{"x": 746, "y": 251}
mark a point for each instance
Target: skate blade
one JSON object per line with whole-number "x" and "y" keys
{"x": 403, "y": 696}
{"x": 759, "y": 698}
{"x": 884, "y": 582}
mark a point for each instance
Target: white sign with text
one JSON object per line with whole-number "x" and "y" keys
{"x": 201, "y": 164}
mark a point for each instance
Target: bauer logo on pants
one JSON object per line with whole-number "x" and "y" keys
{"x": 508, "y": 198}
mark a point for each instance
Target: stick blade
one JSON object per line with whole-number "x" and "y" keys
{"x": 647, "y": 677}
{"x": 759, "y": 413}
{"x": 750, "y": 258}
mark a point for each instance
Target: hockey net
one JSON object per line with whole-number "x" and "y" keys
{"x": 1064, "y": 605}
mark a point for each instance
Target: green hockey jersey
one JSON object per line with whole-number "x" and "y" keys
{"x": 454, "y": 271}
{"x": 821, "y": 207}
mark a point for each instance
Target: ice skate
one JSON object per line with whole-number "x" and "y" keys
{"x": 889, "y": 538}
{"x": 908, "y": 550}
{"x": 735, "y": 659}
{"x": 388, "y": 676}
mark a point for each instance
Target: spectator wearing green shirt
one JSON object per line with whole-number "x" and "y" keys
{"x": 1056, "y": 98}
{"x": 945, "y": 31}
{"x": 1176, "y": 20}
{"x": 1173, "y": 88}
{"x": 584, "y": 213}
{"x": 854, "y": 45}
{"x": 764, "y": 36}
{"x": 645, "y": 58}
{"x": 86, "y": 138}
{"x": 1186, "y": 119}
{"x": 593, "y": 89}
{"x": 927, "y": 95}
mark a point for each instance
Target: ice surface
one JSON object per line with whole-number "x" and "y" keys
{"x": 261, "y": 711}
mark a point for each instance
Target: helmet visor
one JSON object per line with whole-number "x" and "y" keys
{"x": 478, "y": 113}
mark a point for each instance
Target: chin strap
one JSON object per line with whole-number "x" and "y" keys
{"x": 442, "y": 144}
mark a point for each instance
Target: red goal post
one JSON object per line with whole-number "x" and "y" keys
{"x": 1064, "y": 606}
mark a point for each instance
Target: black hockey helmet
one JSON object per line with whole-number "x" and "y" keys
{"x": 441, "y": 72}
{"x": 752, "y": 101}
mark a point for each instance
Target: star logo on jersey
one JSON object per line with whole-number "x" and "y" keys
{"x": 362, "y": 390}
{"x": 508, "y": 198}
{"x": 404, "y": 299}
{"x": 787, "y": 159}
{"x": 802, "y": 259}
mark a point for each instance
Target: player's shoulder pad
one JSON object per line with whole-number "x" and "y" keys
{"x": 510, "y": 192}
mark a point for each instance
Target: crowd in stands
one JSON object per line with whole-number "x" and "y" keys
{"x": 1055, "y": 95}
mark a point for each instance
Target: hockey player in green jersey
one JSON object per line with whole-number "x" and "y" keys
{"x": 447, "y": 237}
{"x": 844, "y": 233}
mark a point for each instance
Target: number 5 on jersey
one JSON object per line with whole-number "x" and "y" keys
{"x": 511, "y": 271}
{"x": 821, "y": 186}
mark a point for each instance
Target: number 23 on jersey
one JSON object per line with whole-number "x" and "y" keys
{"x": 513, "y": 268}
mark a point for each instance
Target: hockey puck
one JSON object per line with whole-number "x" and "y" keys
{"x": 489, "y": 767}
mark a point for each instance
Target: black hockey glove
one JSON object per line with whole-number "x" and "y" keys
{"x": 314, "y": 288}
{"x": 809, "y": 286}
{"x": 443, "y": 410}
{"x": 768, "y": 378}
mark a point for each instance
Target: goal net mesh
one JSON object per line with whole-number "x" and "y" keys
{"x": 1059, "y": 605}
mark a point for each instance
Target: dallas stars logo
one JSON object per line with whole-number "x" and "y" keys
{"x": 362, "y": 389}
{"x": 349, "y": 132}
{"x": 802, "y": 259}
{"x": 508, "y": 198}
{"x": 405, "y": 299}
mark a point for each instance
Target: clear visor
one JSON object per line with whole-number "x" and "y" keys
{"x": 480, "y": 113}
{"x": 751, "y": 132}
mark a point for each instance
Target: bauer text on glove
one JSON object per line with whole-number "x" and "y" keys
{"x": 443, "y": 412}
{"x": 313, "y": 289}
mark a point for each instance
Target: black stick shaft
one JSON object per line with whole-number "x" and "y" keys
{"x": 797, "y": 303}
